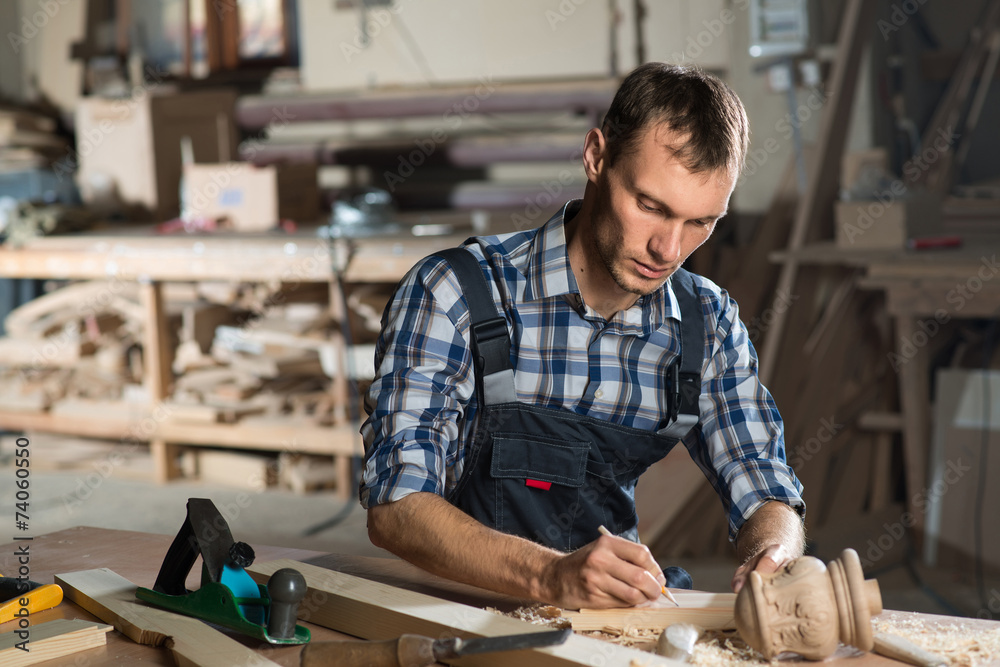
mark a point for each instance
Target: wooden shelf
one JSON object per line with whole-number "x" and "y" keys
{"x": 138, "y": 255}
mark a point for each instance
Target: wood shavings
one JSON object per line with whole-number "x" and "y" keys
{"x": 960, "y": 642}
{"x": 643, "y": 639}
{"x": 715, "y": 648}
{"x": 724, "y": 648}
{"x": 537, "y": 614}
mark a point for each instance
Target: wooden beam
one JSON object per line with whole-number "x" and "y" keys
{"x": 914, "y": 397}
{"x": 111, "y": 598}
{"x": 128, "y": 426}
{"x": 817, "y": 201}
{"x": 48, "y": 641}
{"x": 372, "y": 610}
{"x": 712, "y": 611}
{"x": 157, "y": 371}
{"x": 874, "y": 420}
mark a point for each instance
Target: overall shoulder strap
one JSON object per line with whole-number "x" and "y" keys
{"x": 488, "y": 329}
{"x": 686, "y": 379}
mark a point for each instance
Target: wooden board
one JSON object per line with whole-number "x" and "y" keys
{"x": 816, "y": 204}
{"x": 48, "y": 641}
{"x": 712, "y": 611}
{"x": 111, "y": 598}
{"x": 373, "y": 610}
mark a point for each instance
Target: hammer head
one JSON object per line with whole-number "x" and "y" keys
{"x": 677, "y": 641}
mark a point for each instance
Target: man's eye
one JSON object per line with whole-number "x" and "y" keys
{"x": 646, "y": 208}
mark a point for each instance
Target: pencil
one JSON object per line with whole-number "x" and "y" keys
{"x": 663, "y": 589}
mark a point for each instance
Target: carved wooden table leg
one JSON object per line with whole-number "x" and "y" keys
{"x": 809, "y": 608}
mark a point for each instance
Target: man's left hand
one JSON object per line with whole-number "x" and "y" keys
{"x": 767, "y": 561}
{"x": 772, "y": 536}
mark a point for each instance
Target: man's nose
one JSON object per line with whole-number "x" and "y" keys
{"x": 665, "y": 246}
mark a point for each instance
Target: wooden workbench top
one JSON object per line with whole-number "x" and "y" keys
{"x": 138, "y": 556}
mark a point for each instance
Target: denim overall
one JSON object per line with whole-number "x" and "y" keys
{"x": 551, "y": 475}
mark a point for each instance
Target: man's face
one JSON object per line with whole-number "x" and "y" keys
{"x": 651, "y": 212}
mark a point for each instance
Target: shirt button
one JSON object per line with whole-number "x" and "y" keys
{"x": 599, "y": 393}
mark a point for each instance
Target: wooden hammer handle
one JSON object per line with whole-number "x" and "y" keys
{"x": 906, "y": 651}
{"x": 407, "y": 651}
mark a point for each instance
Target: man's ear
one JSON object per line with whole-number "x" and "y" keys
{"x": 594, "y": 150}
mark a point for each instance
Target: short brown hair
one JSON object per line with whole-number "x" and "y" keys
{"x": 694, "y": 103}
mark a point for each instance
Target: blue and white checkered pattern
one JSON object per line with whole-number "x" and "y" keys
{"x": 422, "y": 405}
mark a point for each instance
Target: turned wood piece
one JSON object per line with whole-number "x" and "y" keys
{"x": 809, "y": 608}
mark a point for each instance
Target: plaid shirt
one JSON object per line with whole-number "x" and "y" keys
{"x": 422, "y": 403}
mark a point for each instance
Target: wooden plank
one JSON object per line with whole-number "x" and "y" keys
{"x": 372, "y": 610}
{"x": 951, "y": 107}
{"x": 48, "y": 641}
{"x": 131, "y": 427}
{"x": 157, "y": 375}
{"x": 712, "y": 611}
{"x": 817, "y": 202}
{"x": 238, "y": 469}
{"x": 914, "y": 397}
{"x": 891, "y": 422}
{"x": 755, "y": 275}
{"x": 58, "y": 352}
{"x": 200, "y": 414}
{"x": 111, "y": 598}
{"x": 72, "y": 302}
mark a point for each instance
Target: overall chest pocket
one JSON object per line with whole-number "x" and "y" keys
{"x": 546, "y": 489}
{"x": 548, "y": 460}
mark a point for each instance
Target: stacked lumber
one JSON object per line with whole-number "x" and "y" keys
{"x": 51, "y": 640}
{"x": 28, "y": 141}
{"x": 270, "y": 356}
{"x": 78, "y": 342}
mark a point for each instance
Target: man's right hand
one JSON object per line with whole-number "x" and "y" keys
{"x": 608, "y": 572}
{"x": 426, "y": 530}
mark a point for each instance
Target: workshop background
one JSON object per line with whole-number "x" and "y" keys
{"x": 204, "y": 205}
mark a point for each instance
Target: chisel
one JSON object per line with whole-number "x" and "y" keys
{"x": 417, "y": 651}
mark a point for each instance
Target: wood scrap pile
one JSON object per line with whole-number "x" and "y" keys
{"x": 28, "y": 140}
{"x": 247, "y": 354}
{"x": 78, "y": 342}
{"x": 261, "y": 352}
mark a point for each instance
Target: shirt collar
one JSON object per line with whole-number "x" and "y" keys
{"x": 548, "y": 275}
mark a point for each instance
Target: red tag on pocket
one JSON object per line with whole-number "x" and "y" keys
{"x": 538, "y": 484}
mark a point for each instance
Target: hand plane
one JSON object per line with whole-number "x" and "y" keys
{"x": 228, "y": 596}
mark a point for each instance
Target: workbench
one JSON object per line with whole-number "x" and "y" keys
{"x": 139, "y": 255}
{"x": 935, "y": 285}
{"x": 137, "y": 557}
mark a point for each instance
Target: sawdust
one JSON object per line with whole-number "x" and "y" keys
{"x": 714, "y": 648}
{"x": 537, "y": 614}
{"x": 961, "y": 643}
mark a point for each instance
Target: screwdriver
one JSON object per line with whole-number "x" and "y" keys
{"x": 418, "y": 651}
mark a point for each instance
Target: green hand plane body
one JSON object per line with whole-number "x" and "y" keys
{"x": 227, "y": 596}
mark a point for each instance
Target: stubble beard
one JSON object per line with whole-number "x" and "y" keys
{"x": 610, "y": 243}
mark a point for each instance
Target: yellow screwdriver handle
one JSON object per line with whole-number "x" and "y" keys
{"x": 39, "y": 599}
{"x": 407, "y": 651}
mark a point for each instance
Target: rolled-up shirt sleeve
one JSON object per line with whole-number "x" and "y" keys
{"x": 423, "y": 383}
{"x": 739, "y": 442}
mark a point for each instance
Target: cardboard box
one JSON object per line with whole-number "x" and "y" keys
{"x": 133, "y": 145}
{"x": 887, "y": 223}
{"x": 854, "y": 162}
{"x": 252, "y": 198}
